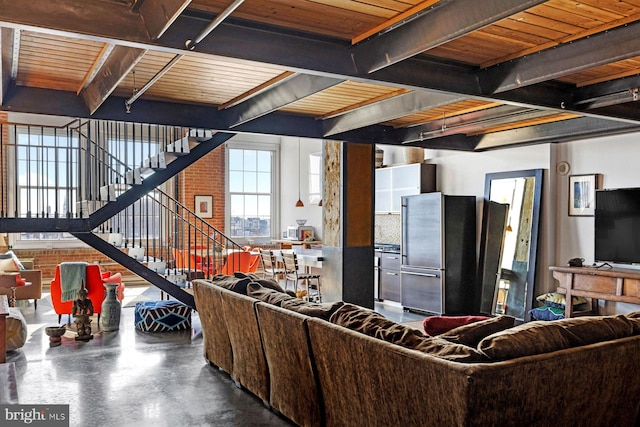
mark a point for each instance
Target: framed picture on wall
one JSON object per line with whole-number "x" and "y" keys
{"x": 582, "y": 194}
{"x": 204, "y": 206}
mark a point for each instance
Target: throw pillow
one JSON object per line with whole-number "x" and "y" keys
{"x": 12, "y": 255}
{"x": 554, "y": 299}
{"x": 8, "y": 265}
{"x": 443, "y": 349}
{"x": 322, "y": 310}
{"x": 374, "y": 324}
{"x": 547, "y": 313}
{"x": 270, "y": 296}
{"x": 472, "y": 333}
{"x": 231, "y": 283}
{"x": 267, "y": 283}
{"x": 436, "y": 325}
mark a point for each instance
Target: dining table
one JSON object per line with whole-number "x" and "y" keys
{"x": 307, "y": 258}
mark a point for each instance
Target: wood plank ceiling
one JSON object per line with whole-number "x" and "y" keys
{"x": 456, "y": 74}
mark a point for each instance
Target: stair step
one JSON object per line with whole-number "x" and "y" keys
{"x": 202, "y": 134}
{"x": 87, "y": 207}
{"x": 180, "y": 147}
{"x": 133, "y": 177}
{"x": 159, "y": 161}
{"x": 108, "y": 192}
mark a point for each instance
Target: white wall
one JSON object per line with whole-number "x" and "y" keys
{"x": 289, "y": 160}
{"x": 562, "y": 237}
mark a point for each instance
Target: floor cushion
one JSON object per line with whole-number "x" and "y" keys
{"x": 162, "y": 316}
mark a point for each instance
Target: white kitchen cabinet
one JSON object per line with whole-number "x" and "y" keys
{"x": 406, "y": 180}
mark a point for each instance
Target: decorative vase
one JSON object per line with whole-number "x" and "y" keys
{"x": 110, "y": 317}
{"x": 379, "y": 157}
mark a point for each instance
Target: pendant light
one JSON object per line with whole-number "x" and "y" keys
{"x": 299, "y": 203}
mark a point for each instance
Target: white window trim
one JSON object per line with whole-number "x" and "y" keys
{"x": 275, "y": 201}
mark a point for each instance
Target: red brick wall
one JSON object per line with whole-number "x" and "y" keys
{"x": 206, "y": 177}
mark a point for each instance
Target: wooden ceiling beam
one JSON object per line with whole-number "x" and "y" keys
{"x": 115, "y": 68}
{"x": 6, "y": 61}
{"x": 158, "y": 15}
{"x": 446, "y": 21}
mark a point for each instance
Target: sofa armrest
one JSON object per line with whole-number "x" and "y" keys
{"x": 35, "y": 290}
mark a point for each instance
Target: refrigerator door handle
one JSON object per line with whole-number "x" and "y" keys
{"x": 419, "y": 274}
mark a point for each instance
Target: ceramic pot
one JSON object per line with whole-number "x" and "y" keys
{"x": 379, "y": 157}
{"x": 111, "y": 308}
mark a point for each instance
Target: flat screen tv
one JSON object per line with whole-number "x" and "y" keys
{"x": 617, "y": 226}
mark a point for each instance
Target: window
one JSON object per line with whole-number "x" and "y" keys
{"x": 46, "y": 187}
{"x": 315, "y": 178}
{"x": 52, "y": 169}
{"x": 251, "y": 183}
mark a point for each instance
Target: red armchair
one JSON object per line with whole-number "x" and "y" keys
{"x": 94, "y": 282}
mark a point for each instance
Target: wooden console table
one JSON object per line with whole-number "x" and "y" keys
{"x": 610, "y": 284}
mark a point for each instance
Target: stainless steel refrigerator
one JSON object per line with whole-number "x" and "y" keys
{"x": 438, "y": 251}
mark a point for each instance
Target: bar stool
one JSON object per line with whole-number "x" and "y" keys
{"x": 294, "y": 274}
{"x": 270, "y": 266}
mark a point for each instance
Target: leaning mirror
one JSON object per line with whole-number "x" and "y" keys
{"x": 509, "y": 242}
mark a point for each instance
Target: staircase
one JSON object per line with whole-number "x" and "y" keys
{"x": 117, "y": 204}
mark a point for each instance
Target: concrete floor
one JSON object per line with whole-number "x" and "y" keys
{"x": 130, "y": 378}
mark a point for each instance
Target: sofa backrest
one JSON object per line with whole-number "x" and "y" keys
{"x": 217, "y": 347}
{"x": 249, "y": 362}
{"x": 294, "y": 389}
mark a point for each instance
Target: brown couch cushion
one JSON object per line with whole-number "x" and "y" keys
{"x": 322, "y": 310}
{"x": 444, "y": 349}
{"x": 526, "y": 339}
{"x": 270, "y": 296}
{"x": 544, "y": 337}
{"x": 592, "y": 329}
{"x": 231, "y": 283}
{"x": 472, "y": 333}
{"x": 267, "y": 283}
{"x": 371, "y": 323}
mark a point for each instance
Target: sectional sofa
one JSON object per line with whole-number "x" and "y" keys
{"x": 342, "y": 365}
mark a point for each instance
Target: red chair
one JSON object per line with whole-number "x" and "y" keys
{"x": 94, "y": 282}
{"x": 238, "y": 261}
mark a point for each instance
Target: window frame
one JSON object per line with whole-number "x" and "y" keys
{"x": 274, "y": 147}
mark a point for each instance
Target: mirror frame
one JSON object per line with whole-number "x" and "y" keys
{"x": 533, "y": 242}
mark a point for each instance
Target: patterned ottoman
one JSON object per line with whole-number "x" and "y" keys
{"x": 162, "y": 316}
